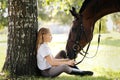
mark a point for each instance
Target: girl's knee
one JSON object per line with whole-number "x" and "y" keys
{"x": 61, "y": 54}
{"x": 66, "y": 68}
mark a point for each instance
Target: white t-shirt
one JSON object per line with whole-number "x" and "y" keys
{"x": 42, "y": 52}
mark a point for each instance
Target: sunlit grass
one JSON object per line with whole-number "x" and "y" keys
{"x": 3, "y": 38}
{"x": 2, "y": 59}
{"x": 61, "y": 78}
{"x": 3, "y": 47}
{"x": 109, "y": 73}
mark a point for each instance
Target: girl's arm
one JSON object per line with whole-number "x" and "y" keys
{"x": 61, "y": 59}
{"x": 55, "y": 62}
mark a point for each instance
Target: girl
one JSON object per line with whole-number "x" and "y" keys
{"x": 50, "y": 66}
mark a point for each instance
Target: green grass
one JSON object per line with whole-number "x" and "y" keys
{"x": 3, "y": 47}
{"x": 60, "y": 78}
{"x": 105, "y": 64}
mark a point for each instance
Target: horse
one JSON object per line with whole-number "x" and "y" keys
{"x": 81, "y": 32}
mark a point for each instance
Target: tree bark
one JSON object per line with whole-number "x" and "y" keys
{"x": 22, "y": 32}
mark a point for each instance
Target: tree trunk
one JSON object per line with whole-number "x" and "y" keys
{"x": 22, "y": 30}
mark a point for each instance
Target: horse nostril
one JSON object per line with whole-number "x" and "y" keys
{"x": 71, "y": 55}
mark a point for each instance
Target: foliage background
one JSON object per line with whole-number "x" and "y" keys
{"x": 57, "y": 11}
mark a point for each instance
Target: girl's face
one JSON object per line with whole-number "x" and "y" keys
{"x": 47, "y": 37}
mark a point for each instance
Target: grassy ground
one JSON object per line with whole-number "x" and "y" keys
{"x": 105, "y": 64}
{"x": 3, "y": 46}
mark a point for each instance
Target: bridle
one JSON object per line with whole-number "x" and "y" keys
{"x": 77, "y": 47}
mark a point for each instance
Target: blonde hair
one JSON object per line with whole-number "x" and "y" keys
{"x": 40, "y": 34}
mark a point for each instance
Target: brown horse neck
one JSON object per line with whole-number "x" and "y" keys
{"x": 99, "y": 8}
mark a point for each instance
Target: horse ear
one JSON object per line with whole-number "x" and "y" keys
{"x": 73, "y": 12}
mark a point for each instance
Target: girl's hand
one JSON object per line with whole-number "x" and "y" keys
{"x": 71, "y": 62}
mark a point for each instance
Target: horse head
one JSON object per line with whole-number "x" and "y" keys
{"x": 81, "y": 32}
{"x": 78, "y": 36}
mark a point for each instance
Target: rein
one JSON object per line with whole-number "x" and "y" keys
{"x": 77, "y": 45}
{"x": 99, "y": 35}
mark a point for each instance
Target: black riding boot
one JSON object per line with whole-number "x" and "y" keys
{"x": 81, "y": 73}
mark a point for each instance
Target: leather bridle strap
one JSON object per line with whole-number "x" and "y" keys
{"x": 99, "y": 35}
{"x": 86, "y": 52}
{"x": 84, "y": 55}
{"x": 81, "y": 32}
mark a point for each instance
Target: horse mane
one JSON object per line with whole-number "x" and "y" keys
{"x": 100, "y": 8}
{"x": 84, "y": 5}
